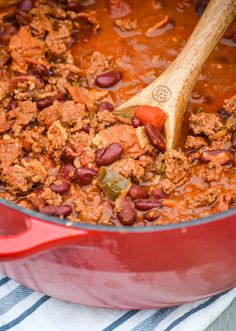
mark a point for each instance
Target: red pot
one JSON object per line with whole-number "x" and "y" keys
{"x": 119, "y": 267}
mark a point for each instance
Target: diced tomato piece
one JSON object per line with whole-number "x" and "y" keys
{"x": 151, "y": 115}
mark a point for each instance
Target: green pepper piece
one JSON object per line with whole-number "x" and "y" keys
{"x": 112, "y": 183}
{"x": 125, "y": 115}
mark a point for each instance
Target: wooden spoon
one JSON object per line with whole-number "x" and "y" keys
{"x": 171, "y": 90}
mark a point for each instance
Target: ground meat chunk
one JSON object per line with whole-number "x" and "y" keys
{"x": 72, "y": 113}
{"x": 10, "y": 150}
{"x": 64, "y": 73}
{"x": 36, "y": 170}
{"x": 195, "y": 142}
{"x": 203, "y": 199}
{"x": 5, "y": 125}
{"x": 87, "y": 157}
{"x": 125, "y": 24}
{"x": 176, "y": 170}
{"x": 19, "y": 179}
{"x": 91, "y": 18}
{"x": 205, "y": 123}
{"x": 230, "y": 105}
{"x": 25, "y": 83}
{"x": 25, "y": 113}
{"x": 231, "y": 123}
{"x": 25, "y": 50}
{"x": 211, "y": 172}
{"x": 3, "y": 89}
{"x": 36, "y": 199}
{"x": 128, "y": 167}
{"x": 106, "y": 118}
{"x": 39, "y": 26}
{"x": 123, "y": 134}
{"x": 4, "y": 57}
{"x": 57, "y": 42}
{"x": 33, "y": 139}
{"x": 226, "y": 200}
{"x": 93, "y": 211}
{"x": 16, "y": 178}
{"x": 119, "y": 8}
{"x": 56, "y": 138}
{"x": 50, "y": 114}
{"x": 50, "y": 197}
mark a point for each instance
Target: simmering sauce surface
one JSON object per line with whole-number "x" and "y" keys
{"x": 65, "y": 149}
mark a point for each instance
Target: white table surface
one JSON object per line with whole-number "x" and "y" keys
{"x": 227, "y": 320}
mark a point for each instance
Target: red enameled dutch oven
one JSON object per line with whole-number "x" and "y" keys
{"x": 115, "y": 267}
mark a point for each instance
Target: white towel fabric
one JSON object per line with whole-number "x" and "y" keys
{"x": 22, "y": 309}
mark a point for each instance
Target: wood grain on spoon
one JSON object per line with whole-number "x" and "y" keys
{"x": 171, "y": 90}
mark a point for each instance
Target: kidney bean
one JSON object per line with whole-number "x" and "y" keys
{"x": 233, "y": 139}
{"x": 14, "y": 81}
{"x": 60, "y": 96}
{"x": 68, "y": 154}
{"x": 137, "y": 192}
{"x": 222, "y": 113}
{"x": 146, "y": 204}
{"x": 66, "y": 172}
{"x": 156, "y": 137}
{"x": 25, "y": 5}
{"x": 74, "y": 6}
{"x": 63, "y": 210}
{"x": 84, "y": 175}
{"x": 6, "y": 32}
{"x": 106, "y": 156}
{"x": 61, "y": 188}
{"x": 44, "y": 103}
{"x": 109, "y": 79}
{"x": 12, "y": 105}
{"x": 23, "y": 18}
{"x": 40, "y": 70}
{"x": 104, "y": 105}
{"x": 159, "y": 194}
{"x": 221, "y": 156}
{"x": 127, "y": 214}
{"x": 136, "y": 122}
{"x": 86, "y": 128}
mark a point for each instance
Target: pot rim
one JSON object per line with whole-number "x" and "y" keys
{"x": 113, "y": 228}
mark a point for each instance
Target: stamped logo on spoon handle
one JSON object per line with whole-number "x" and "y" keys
{"x": 161, "y": 94}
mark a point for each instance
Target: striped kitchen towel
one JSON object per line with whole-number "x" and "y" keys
{"x": 22, "y": 309}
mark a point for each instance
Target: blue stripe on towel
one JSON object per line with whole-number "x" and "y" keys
{"x": 120, "y": 320}
{"x": 194, "y": 310}
{"x": 150, "y": 323}
{"x": 13, "y": 298}
{"x": 4, "y": 280}
{"x": 25, "y": 314}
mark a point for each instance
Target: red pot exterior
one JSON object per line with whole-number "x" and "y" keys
{"x": 122, "y": 269}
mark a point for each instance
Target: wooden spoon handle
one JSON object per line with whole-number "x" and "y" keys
{"x": 172, "y": 89}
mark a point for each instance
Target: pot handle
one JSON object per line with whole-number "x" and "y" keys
{"x": 38, "y": 236}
